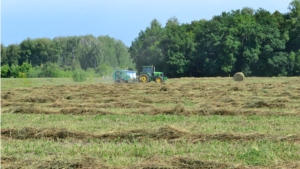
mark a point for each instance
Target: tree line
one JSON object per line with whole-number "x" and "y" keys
{"x": 256, "y": 42}
{"x": 101, "y": 54}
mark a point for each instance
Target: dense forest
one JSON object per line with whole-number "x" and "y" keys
{"x": 256, "y": 42}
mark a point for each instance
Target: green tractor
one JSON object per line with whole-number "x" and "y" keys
{"x": 148, "y": 74}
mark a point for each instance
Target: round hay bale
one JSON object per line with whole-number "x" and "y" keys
{"x": 239, "y": 76}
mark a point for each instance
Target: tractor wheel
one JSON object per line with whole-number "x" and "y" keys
{"x": 144, "y": 78}
{"x": 158, "y": 79}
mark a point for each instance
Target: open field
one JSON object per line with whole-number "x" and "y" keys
{"x": 183, "y": 123}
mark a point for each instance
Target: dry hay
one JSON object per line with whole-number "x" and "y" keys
{"x": 264, "y": 104}
{"x": 164, "y": 88}
{"x": 6, "y": 95}
{"x": 125, "y": 105}
{"x": 85, "y": 162}
{"x": 60, "y": 104}
{"x": 181, "y": 110}
{"x": 52, "y": 133}
{"x": 170, "y": 133}
{"x": 150, "y": 110}
{"x": 181, "y": 162}
{"x": 37, "y": 99}
{"x": 239, "y": 76}
{"x": 192, "y": 163}
{"x": 177, "y": 110}
{"x": 83, "y": 111}
{"x": 221, "y": 98}
{"x": 28, "y": 110}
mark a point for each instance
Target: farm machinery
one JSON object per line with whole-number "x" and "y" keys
{"x": 148, "y": 74}
{"x": 124, "y": 76}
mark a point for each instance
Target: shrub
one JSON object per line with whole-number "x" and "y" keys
{"x": 14, "y": 70}
{"x": 66, "y": 73}
{"x": 4, "y": 71}
{"x": 25, "y": 67}
{"x": 79, "y": 75}
{"x": 22, "y": 75}
{"x": 35, "y": 72}
{"x": 50, "y": 70}
{"x": 104, "y": 70}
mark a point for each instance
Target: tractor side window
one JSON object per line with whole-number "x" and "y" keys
{"x": 147, "y": 69}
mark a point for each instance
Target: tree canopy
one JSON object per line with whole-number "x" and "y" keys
{"x": 86, "y": 51}
{"x": 256, "y": 42}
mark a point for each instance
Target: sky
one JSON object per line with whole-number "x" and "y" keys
{"x": 119, "y": 19}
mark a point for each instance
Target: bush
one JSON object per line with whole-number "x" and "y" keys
{"x": 22, "y": 75}
{"x": 4, "y": 71}
{"x": 66, "y": 73}
{"x": 25, "y": 67}
{"x": 14, "y": 70}
{"x": 35, "y": 72}
{"x": 50, "y": 70}
{"x": 79, "y": 75}
{"x": 104, "y": 70}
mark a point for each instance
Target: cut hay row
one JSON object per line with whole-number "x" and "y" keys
{"x": 150, "y": 163}
{"x": 169, "y": 133}
{"x": 177, "y": 110}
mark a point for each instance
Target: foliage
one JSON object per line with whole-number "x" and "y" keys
{"x": 104, "y": 70}
{"x": 35, "y": 72}
{"x": 50, "y": 70}
{"x": 4, "y": 70}
{"x": 255, "y": 42}
{"x": 14, "y": 70}
{"x": 79, "y": 75}
{"x": 69, "y": 53}
{"x": 3, "y": 55}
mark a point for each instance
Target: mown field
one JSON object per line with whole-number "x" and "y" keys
{"x": 182, "y": 123}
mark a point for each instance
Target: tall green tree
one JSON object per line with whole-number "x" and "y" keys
{"x": 179, "y": 48}
{"x": 293, "y": 21}
{"x": 4, "y": 59}
{"x": 13, "y": 54}
{"x": 146, "y": 49}
{"x": 271, "y": 58}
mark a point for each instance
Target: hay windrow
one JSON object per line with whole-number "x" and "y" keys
{"x": 264, "y": 104}
{"x": 78, "y": 163}
{"x": 83, "y": 111}
{"x": 38, "y": 99}
{"x": 87, "y": 162}
{"x": 28, "y": 110}
{"x": 182, "y": 162}
{"x": 169, "y": 133}
{"x": 177, "y": 110}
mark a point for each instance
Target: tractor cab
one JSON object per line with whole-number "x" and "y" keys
{"x": 148, "y": 69}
